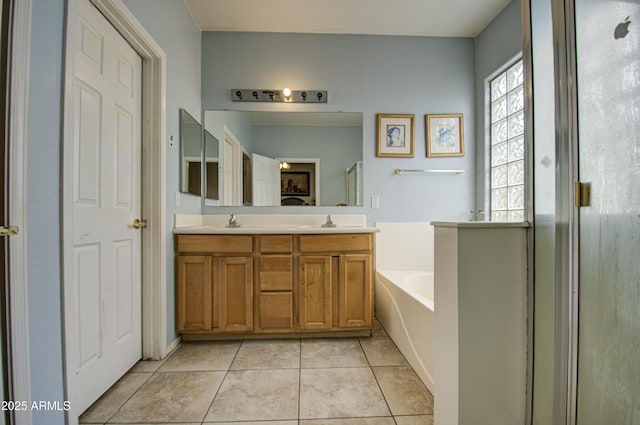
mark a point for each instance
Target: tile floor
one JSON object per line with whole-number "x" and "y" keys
{"x": 338, "y": 381}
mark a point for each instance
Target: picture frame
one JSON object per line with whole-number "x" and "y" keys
{"x": 445, "y": 135}
{"x": 396, "y": 136}
{"x": 295, "y": 183}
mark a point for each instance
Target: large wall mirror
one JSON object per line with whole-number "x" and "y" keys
{"x": 191, "y": 154}
{"x": 284, "y": 158}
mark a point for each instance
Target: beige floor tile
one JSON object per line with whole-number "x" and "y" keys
{"x": 160, "y": 423}
{"x": 332, "y": 352}
{"x": 107, "y": 405}
{"x": 294, "y": 422}
{"x": 147, "y": 366}
{"x": 201, "y": 356}
{"x": 171, "y": 397}
{"x": 388, "y": 420}
{"x": 404, "y": 391}
{"x": 249, "y": 395}
{"x": 340, "y": 393}
{"x": 414, "y": 420}
{"x": 378, "y": 330}
{"x": 381, "y": 351}
{"x": 267, "y": 354}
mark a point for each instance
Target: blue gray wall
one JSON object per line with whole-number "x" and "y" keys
{"x": 338, "y": 148}
{"x": 172, "y": 27}
{"x": 237, "y": 123}
{"x": 497, "y": 45}
{"x": 44, "y": 151}
{"x": 369, "y": 74}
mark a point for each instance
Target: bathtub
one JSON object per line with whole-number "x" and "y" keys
{"x": 404, "y": 307}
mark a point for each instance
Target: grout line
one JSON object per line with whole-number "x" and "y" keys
{"x": 299, "y": 381}
{"x": 377, "y": 382}
{"x": 222, "y": 382}
{"x": 128, "y": 398}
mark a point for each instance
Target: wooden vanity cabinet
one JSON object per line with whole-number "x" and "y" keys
{"x": 214, "y": 283}
{"x": 274, "y": 310}
{"x": 336, "y": 290}
{"x": 274, "y": 284}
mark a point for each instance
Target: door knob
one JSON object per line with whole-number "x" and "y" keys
{"x": 9, "y": 230}
{"x": 139, "y": 224}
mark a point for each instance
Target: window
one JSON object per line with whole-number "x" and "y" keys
{"x": 507, "y": 145}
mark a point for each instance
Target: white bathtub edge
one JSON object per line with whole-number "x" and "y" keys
{"x": 404, "y": 341}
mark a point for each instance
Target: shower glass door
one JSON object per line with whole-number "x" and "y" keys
{"x": 608, "y": 85}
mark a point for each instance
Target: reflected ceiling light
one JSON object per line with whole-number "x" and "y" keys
{"x": 278, "y": 95}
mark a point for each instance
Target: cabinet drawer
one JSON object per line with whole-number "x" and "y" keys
{"x": 276, "y": 243}
{"x": 212, "y": 244}
{"x": 336, "y": 243}
{"x": 276, "y": 273}
{"x": 275, "y": 311}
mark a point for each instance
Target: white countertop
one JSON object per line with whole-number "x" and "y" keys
{"x": 212, "y": 224}
{"x": 480, "y": 224}
{"x": 271, "y": 230}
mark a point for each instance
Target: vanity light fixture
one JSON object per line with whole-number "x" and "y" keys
{"x": 279, "y": 96}
{"x": 285, "y": 166}
{"x": 287, "y": 94}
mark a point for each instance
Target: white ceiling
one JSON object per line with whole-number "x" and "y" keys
{"x": 446, "y": 18}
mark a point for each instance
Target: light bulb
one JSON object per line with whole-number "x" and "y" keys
{"x": 286, "y": 92}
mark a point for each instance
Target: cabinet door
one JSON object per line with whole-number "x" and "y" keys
{"x": 235, "y": 293}
{"x": 195, "y": 294}
{"x": 355, "y": 291}
{"x": 315, "y": 292}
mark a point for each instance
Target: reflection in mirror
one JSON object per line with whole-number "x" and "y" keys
{"x": 354, "y": 184}
{"x": 191, "y": 158}
{"x": 287, "y": 158}
{"x": 190, "y": 154}
{"x": 211, "y": 172}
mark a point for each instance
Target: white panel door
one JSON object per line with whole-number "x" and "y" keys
{"x": 104, "y": 337}
{"x": 265, "y": 180}
{"x": 228, "y": 173}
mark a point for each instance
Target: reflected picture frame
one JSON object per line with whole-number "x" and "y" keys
{"x": 396, "y": 136}
{"x": 445, "y": 135}
{"x": 295, "y": 183}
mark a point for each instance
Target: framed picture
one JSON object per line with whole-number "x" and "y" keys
{"x": 294, "y": 183}
{"x": 396, "y": 135}
{"x": 445, "y": 135}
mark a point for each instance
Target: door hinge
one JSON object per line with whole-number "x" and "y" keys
{"x": 583, "y": 194}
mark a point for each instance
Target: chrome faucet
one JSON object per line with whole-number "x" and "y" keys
{"x": 329, "y": 222}
{"x": 475, "y": 213}
{"x": 233, "y": 222}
